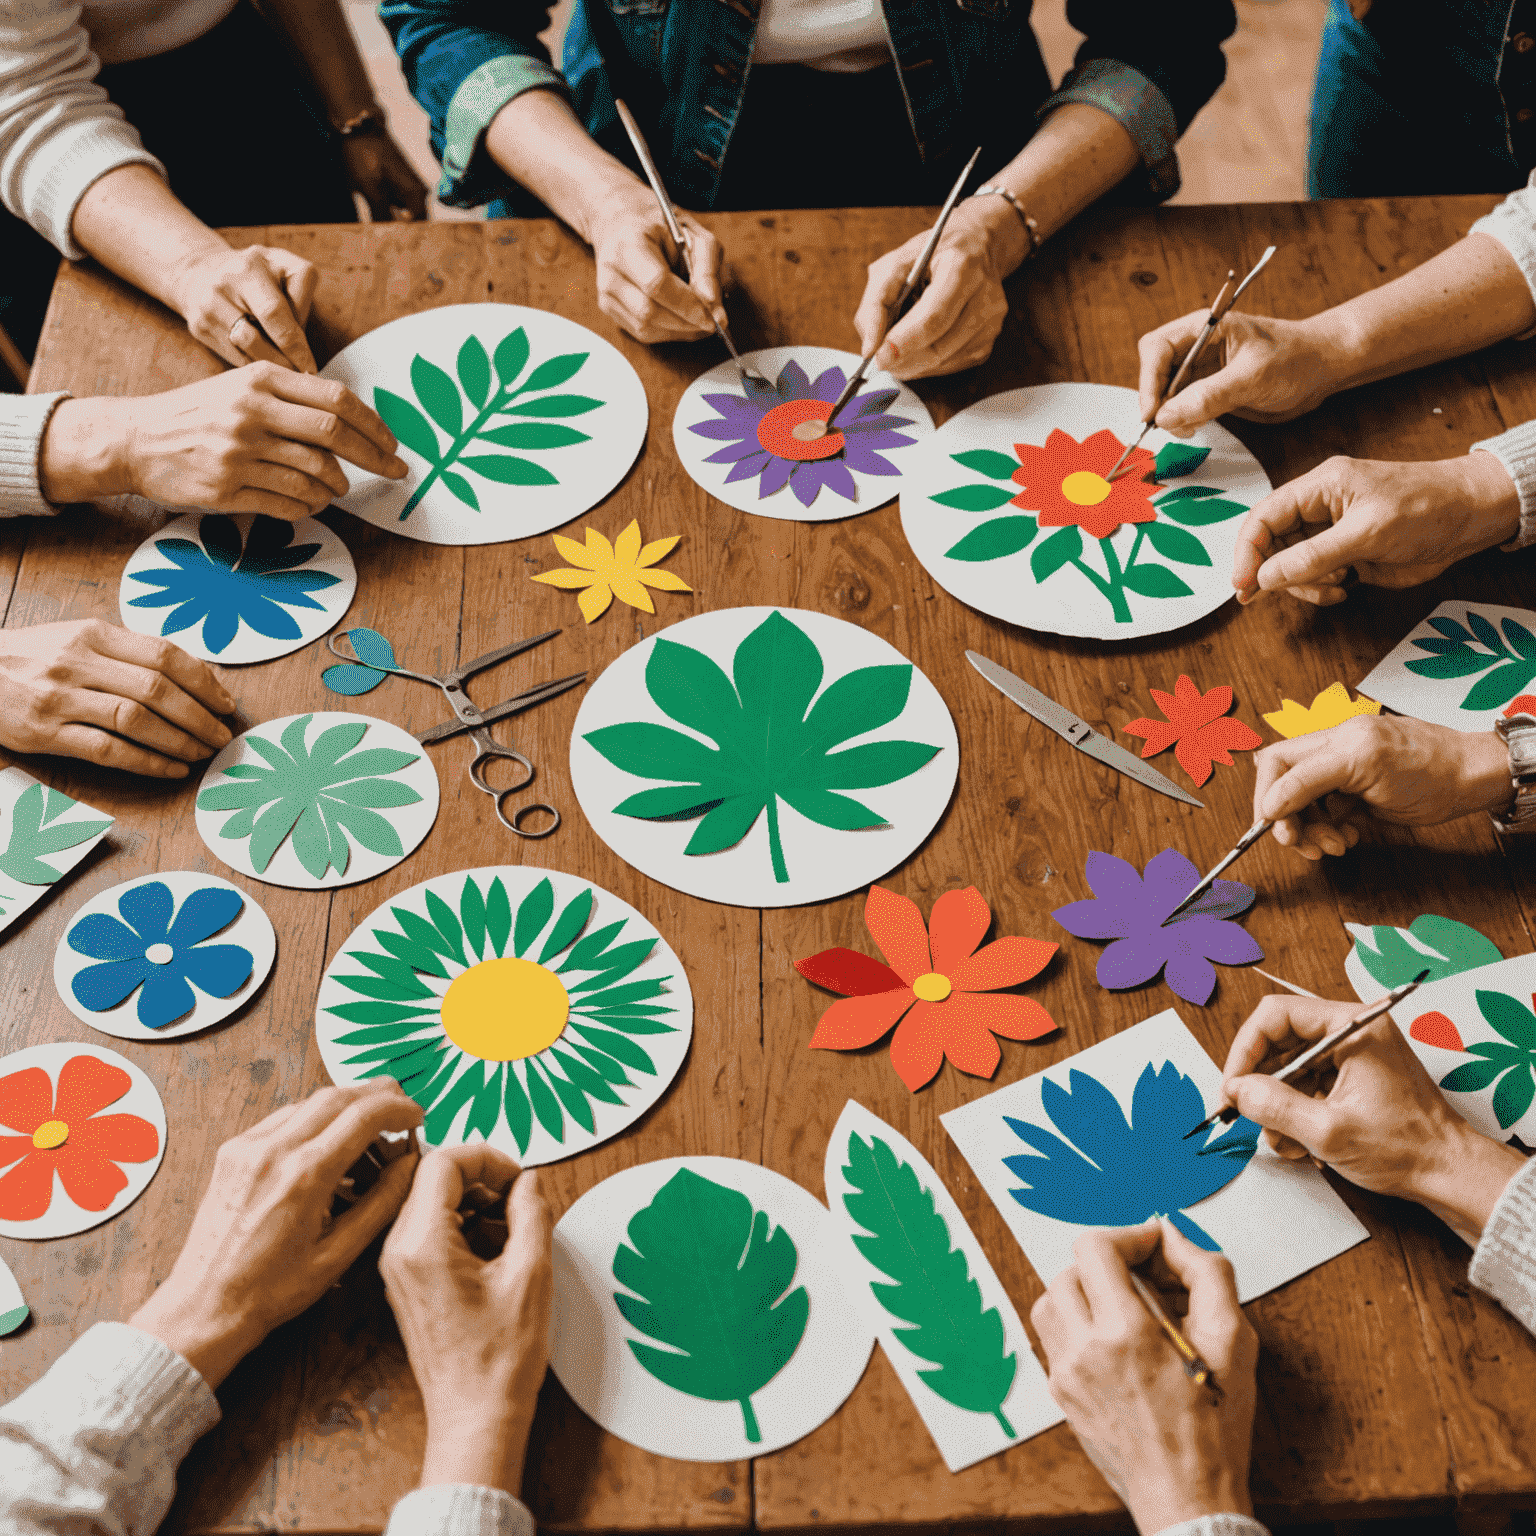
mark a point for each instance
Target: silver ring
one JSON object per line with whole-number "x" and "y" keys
{"x": 243, "y": 320}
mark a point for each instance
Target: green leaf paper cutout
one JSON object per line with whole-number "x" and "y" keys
{"x": 932, "y": 1290}
{"x": 1394, "y": 960}
{"x": 988, "y": 461}
{"x": 711, "y": 1283}
{"x": 1185, "y": 506}
{"x": 995, "y": 540}
{"x": 770, "y": 743}
{"x": 1177, "y": 459}
{"x": 975, "y": 498}
{"x": 37, "y": 832}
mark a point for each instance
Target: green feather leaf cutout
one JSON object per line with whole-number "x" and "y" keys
{"x": 704, "y": 1274}
{"x": 773, "y": 726}
{"x": 385, "y": 993}
{"x": 38, "y": 831}
{"x": 931, "y": 1290}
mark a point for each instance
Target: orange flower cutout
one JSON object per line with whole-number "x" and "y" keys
{"x": 63, "y": 1133}
{"x": 1195, "y": 729}
{"x": 938, "y": 984}
{"x": 1064, "y": 482}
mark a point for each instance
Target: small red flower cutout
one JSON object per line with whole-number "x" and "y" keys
{"x": 1065, "y": 482}
{"x": 938, "y": 984}
{"x": 1195, "y": 728}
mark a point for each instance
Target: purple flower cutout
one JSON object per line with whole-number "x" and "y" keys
{"x": 1133, "y": 910}
{"x": 758, "y": 429}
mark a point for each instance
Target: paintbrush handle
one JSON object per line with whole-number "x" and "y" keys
{"x": 648, "y": 165}
{"x": 1194, "y": 1367}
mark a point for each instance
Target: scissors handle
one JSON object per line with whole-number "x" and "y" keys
{"x": 488, "y": 750}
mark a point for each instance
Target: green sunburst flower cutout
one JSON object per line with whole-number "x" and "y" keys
{"x": 508, "y": 991}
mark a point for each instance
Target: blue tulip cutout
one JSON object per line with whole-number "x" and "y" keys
{"x": 351, "y": 679}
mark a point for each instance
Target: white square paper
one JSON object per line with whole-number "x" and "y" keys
{"x": 43, "y": 835}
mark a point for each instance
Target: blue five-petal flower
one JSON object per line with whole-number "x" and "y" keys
{"x": 148, "y": 950}
{"x": 218, "y": 583}
{"x": 1118, "y": 1173}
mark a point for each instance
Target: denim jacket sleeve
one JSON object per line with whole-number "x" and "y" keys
{"x": 464, "y": 60}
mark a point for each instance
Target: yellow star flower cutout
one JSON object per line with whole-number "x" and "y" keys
{"x": 1331, "y": 707}
{"x": 605, "y": 571}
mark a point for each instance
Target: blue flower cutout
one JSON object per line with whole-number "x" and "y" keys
{"x": 148, "y": 950}
{"x": 218, "y": 583}
{"x": 1131, "y": 1171}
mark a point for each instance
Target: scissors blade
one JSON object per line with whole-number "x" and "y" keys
{"x": 1058, "y": 718}
{"x": 480, "y": 663}
{"x": 497, "y": 712}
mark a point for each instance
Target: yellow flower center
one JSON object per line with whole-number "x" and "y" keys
{"x": 932, "y": 988}
{"x": 50, "y": 1134}
{"x": 504, "y": 1010}
{"x": 1084, "y": 488}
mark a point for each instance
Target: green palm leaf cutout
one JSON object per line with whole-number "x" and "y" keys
{"x": 37, "y": 832}
{"x": 932, "y": 1290}
{"x": 1463, "y": 650}
{"x": 1387, "y": 955}
{"x": 442, "y": 402}
{"x": 421, "y": 956}
{"x": 772, "y": 742}
{"x": 711, "y": 1283}
{"x": 1513, "y": 1065}
{"x": 321, "y": 795}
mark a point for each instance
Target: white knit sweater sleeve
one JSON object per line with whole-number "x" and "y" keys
{"x": 23, "y": 421}
{"x": 59, "y": 132}
{"x": 1513, "y": 224}
{"x": 1504, "y": 1261}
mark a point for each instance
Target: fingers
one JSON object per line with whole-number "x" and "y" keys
{"x": 530, "y": 1226}
{"x": 705, "y": 256}
{"x": 186, "y": 671}
{"x": 309, "y": 474}
{"x": 265, "y": 296}
{"x": 329, "y": 416}
{"x": 339, "y": 1144}
{"x": 1214, "y": 1322}
{"x": 447, "y": 1172}
{"x": 1295, "y": 773}
{"x": 92, "y": 745}
{"x": 269, "y": 503}
{"x": 881, "y": 290}
{"x": 1160, "y": 352}
{"x": 648, "y": 298}
{"x": 1278, "y": 1024}
{"x": 1271, "y": 524}
{"x": 112, "y": 704}
{"x": 1061, "y": 1314}
{"x": 1280, "y": 1108}
{"x": 646, "y": 318}
{"x": 1102, "y": 1261}
{"x": 357, "y": 1227}
{"x": 300, "y": 279}
{"x": 934, "y": 339}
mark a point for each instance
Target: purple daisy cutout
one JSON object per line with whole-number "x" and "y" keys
{"x": 1133, "y": 910}
{"x": 863, "y": 422}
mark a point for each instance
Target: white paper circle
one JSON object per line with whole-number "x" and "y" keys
{"x": 254, "y": 596}
{"x": 589, "y": 1337}
{"x": 873, "y": 490}
{"x": 1067, "y": 602}
{"x": 63, "y": 1217}
{"x": 665, "y": 1051}
{"x": 822, "y": 862}
{"x": 411, "y": 822}
{"x": 251, "y": 929}
{"x": 586, "y": 471}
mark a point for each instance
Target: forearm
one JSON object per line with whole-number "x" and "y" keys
{"x": 538, "y": 140}
{"x": 1466, "y": 298}
{"x": 83, "y": 455}
{"x": 1468, "y": 1177}
{"x": 319, "y": 34}
{"x": 135, "y": 226}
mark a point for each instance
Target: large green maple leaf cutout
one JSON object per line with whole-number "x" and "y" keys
{"x": 772, "y": 742}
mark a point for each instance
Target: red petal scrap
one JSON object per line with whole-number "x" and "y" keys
{"x": 848, "y": 972}
{"x": 1435, "y": 1029}
{"x": 26, "y": 1100}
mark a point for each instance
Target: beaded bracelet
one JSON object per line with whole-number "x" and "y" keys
{"x": 1031, "y": 229}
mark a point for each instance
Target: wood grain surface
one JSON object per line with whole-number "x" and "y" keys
{"x": 1387, "y": 1386}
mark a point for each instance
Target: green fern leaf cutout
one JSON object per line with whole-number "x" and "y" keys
{"x": 712, "y": 1283}
{"x": 932, "y": 1290}
{"x": 37, "y": 831}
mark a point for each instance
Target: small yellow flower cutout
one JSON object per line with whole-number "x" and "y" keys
{"x": 1331, "y": 707}
{"x": 606, "y": 571}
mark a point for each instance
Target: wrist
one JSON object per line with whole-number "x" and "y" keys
{"x": 1157, "y": 1504}
{"x": 1463, "y": 1181}
{"x": 486, "y": 1453}
{"x": 1491, "y": 499}
{"x": 211, "y": 1341}
{"x": 1340, "y": 341}
{"x": 1486, "y": 784}
{"x": 1001, "y": 229}
{"x": 84, "y": 453}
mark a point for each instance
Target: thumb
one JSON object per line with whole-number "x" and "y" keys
{"x": 1313, "y": 562}
{"x": 1280, "y": 1108}
{"x": 358, "y": 1227}
{"x": 1195, "y": 404}
{"x": 885, "y": 279}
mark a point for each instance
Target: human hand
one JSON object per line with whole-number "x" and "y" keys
{"x": 1268, "y": 370}
{"x": 1382, "y": 1123}
{"x": 79, "y": 688}
{"x": 476, "y": 1330}
{"x": 1169, "y": 1450}
{"x": 377, "y": 169}
{"x": 215, "y": 287}
{"x": 257, "y": 439}
{"x": 1318, "y": 787}
{"x": 263, "y": 1245}
{"x": 955, "y": 322}
{"x": 636, "y": 285}
{"x": 1397, "y": 524}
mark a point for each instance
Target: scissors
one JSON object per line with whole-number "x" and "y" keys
{"x": 478, "y": 722}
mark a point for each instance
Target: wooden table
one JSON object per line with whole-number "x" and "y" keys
{"x": 1387, "y": 1386}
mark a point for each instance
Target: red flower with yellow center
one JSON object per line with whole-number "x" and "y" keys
{"x": 1065, "y": 482}
{"x": 63, "y": 1133}
{"x": 938, "y": 984}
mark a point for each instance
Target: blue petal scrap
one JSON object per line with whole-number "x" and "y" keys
{"x": 1118, "y": 1173}
{"x": 219, "y": 970}
{"x": 217, "y": 583}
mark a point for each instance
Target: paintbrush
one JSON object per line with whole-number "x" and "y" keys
{"x": 1317, "y": 1056}
{"x": 1218, "y": 313}
{"x": 1194, "y": 1367}
{"x": 1201, "y": 886}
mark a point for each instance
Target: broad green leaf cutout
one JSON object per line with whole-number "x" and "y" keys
{"x": 1387, "y": 955}
{"x": 320, "y": 794}
{"x": 932, "y": 1290}
{"x": 711, "y": 1283}
{"x": 440, "y": 399}
{"x": 1462, "y": 650}
{"x": 37, "y": 832}
{"x": 771, "y": 742}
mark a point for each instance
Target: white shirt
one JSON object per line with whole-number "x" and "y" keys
{"x": 839, "y": 36}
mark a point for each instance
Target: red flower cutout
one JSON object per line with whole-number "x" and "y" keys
{"x": 1195, "y": 728}
{"x": 63, "y": 1132}
{"x": 940, "y": 986}
{"x": 1064, "y": 482}
{"x": 1436, "y": 1029}
{"x": 1525, "y": 704}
